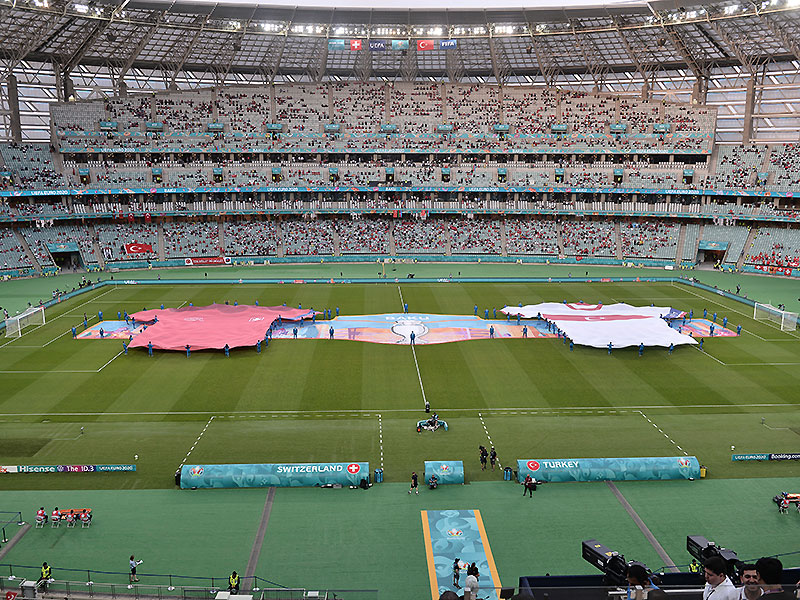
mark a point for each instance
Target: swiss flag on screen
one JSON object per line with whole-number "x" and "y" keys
{"x": 138, "y": 248}
{"x": 355, "y": 44}
{"x": 424, "y": 44}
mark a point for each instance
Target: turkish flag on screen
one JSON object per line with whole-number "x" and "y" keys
{"x": 424, "y": 44}
{"x": 138, "y": 248}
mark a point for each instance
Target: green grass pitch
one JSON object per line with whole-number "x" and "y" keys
{"x": 321, "y": 400}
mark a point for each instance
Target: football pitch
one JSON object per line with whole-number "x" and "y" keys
{"x": 65, "y": 401}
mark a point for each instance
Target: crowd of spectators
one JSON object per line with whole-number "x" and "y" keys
{"x": 363, "y": 235}
{"x": 531, "y": 236}
{"x": 417, "y": 236}
{"x": 416, "y": 107}
{"x": 775, "y": 247}
{"x": 475, "y": 236}
{"x": 12, "y": 252}
{"x": 251, "y": 238}
{"x": 31, "y": 166}
{"x": 307, "y": 237}
{"x": 472, "y": 108}
{"x": 588, "y": 238}
{"x": 302, "y": 107}
{"x": 649, "y": 239}
{"x": 187, "y": 239}
{"x": 112, "y": 239}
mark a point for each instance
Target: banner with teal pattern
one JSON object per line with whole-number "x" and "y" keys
{"x": 458, "y": 534}
{"x": 446, "y": 471}
{"x": 273, "y": 475}
{"x": 613, "y": 469}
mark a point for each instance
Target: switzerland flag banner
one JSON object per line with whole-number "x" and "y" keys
{"x": 138, "y": 248}
{"x": 424, "y": 44}
{"x": 355, "y": 44}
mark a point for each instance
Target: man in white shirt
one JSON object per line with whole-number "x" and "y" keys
{"x": 718, "y": 585}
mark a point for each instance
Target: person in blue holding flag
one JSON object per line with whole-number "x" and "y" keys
{"x": 715, "y": 317}
{"x": 610, "y": 346}
{"x": 491, "y": 332}
{"x": 258, "y": 346}
{"x": 571, "y": 346}
{"x": 74, "y": 333}
{"x": 641, "y": 348}
{"x": 739, "y": 332}
{"x": 724, "y": 321}
{"x": 330, "y": 333}
{"x": 227, "y": 350}
{"x": 486, "y": 313}
{"x": 188, "y": 351}
{"x": 671, "y": 347}
{"x": 525, "y": 331}
{"x": 149, "y": 348}
{"x": 476, "y": 310}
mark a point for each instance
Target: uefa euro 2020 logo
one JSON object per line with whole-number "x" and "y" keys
{"x": 684, "y": 462}
{"x": 444, "y": 468}
{"x": 196, "y": 471}
{"x": 455, "y": 533}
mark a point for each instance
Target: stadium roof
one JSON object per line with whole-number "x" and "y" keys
{"x": 494, "y": 44}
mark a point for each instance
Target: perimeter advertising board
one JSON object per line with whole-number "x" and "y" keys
{"x": 612, "y": 469}
{"x": 273, "y": 475}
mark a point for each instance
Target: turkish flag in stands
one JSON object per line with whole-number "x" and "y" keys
{"x": 138, "y": 248}
{"x": 424, "y": 44}
{"x": 355, "y": 44}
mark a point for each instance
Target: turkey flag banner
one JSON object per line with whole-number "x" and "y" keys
{"x": 424, "y": 44}
{"x": 138, "y": 248}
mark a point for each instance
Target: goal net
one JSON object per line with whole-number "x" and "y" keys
{"x": 32, "y": 316}
{"x": 786, "y": 321}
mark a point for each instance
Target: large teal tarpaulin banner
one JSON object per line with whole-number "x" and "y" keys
{"x": 273, "y": 475}
{"x": 613, "y": 469}
{"x": 446, "y": 471}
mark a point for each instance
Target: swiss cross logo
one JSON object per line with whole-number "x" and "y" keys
{"x": 355, "y": 44}
{"x": 533, "y": 465}
{"x": 353, "y": 468}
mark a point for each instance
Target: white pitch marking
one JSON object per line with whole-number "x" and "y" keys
{"x": 380, "y": 437}
{"x": 110, "y": 361}
{"x": 665, "y": 435}
{"x": 289, "y": 413}
{"x": 198, "y": 439}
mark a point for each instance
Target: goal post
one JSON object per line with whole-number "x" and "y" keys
{"x": 786, "y": 321}
{"x": 32, "y": 316}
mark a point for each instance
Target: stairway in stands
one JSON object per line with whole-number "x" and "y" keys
{"x": 681, "y": 240}
{"x": 28, "y": 252}
{"x": 751, "y": 237}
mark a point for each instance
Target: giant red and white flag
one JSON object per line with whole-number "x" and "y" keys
{"x": 137, "y": 248}
{"x": 597, "y": 324}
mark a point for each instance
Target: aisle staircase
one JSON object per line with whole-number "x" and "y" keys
{"x": 681, "y": 240}
{"x": 28, "y": 252}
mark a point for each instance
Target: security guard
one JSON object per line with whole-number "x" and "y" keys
{"x": 233, "y": 583}
{"x": 694, "y": 567}
{"x": 47, "y": 572}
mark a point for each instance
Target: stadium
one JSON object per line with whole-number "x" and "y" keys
{"x": 545, "y": 258}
